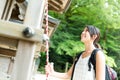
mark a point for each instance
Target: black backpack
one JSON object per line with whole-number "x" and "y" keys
{"x": 110, "y": 73}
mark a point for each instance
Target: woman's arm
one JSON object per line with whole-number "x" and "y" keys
{"x": 51, "y": 72}
{"x": 100, "y": 66}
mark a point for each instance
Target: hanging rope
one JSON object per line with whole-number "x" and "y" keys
{"x": 46, "y": 33}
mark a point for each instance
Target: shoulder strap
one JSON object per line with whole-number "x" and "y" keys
{"x": 76, "y": 59}
{"x": 93, "y": 59}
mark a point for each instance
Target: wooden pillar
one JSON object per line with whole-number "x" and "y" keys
{"x": 25, "y": 53}
{"x": 7, "y": 10}
{"x": 2, "y": 6}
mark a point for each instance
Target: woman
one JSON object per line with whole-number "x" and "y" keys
{"x": 90, "y": 36}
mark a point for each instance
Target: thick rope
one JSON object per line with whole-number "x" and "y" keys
{"x": 46, "y": 32}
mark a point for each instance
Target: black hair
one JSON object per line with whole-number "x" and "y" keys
{"x": 94, "y": 31}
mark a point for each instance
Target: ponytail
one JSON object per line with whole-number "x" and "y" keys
{"x": 97, "y": 45}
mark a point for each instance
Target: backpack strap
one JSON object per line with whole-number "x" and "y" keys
{"x": 76, "y": 59}
{"x": 92, "y": 59}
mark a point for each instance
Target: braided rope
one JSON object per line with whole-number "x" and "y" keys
{"x": 46, "y": 32}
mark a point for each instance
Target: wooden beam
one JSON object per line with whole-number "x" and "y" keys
{"x": 59, "y": 5}
{"x": 7, "y": 52}
{"x": 14, "y": 30}
{"x": 53, "y": 7}
{"x": 67, "y": 5}
{"x": 8, "y": 42}
{"x": 20, "y": 1}
{"x": 55, "y": 3}
{"x": 59, "y": 1}
{"x": 53, "y": 20}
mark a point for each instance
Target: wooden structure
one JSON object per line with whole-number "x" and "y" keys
{"x": 21, "y": 31}
{"x": 53, "y": 24}
{"x": 59, "y": 5}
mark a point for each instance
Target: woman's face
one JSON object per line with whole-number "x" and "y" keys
{"x": 85, "y": 35}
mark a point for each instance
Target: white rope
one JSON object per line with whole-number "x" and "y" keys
{"x": 46, "y": 34}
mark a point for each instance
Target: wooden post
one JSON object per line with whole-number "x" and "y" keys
{"x": 25, "y": 53}
{"x": 2, "y": 6}
{"x": 7, "y": 9}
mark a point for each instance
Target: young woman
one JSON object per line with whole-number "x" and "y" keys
{"x": 90, "y": 36}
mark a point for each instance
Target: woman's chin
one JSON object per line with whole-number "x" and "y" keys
{"x": 82, "y": 40}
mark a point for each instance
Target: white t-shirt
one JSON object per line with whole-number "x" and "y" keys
{"x": 81, "y": 70}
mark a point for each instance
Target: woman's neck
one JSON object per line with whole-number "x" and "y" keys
{"x": 89, "y": 47}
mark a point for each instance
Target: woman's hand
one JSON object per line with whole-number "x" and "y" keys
{"x": 49, "y": 68}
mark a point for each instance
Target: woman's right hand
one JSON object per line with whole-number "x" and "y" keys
{"x": 49, "y": 68}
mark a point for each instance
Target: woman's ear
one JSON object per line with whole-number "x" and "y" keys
{"x": 94, "y": 37}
